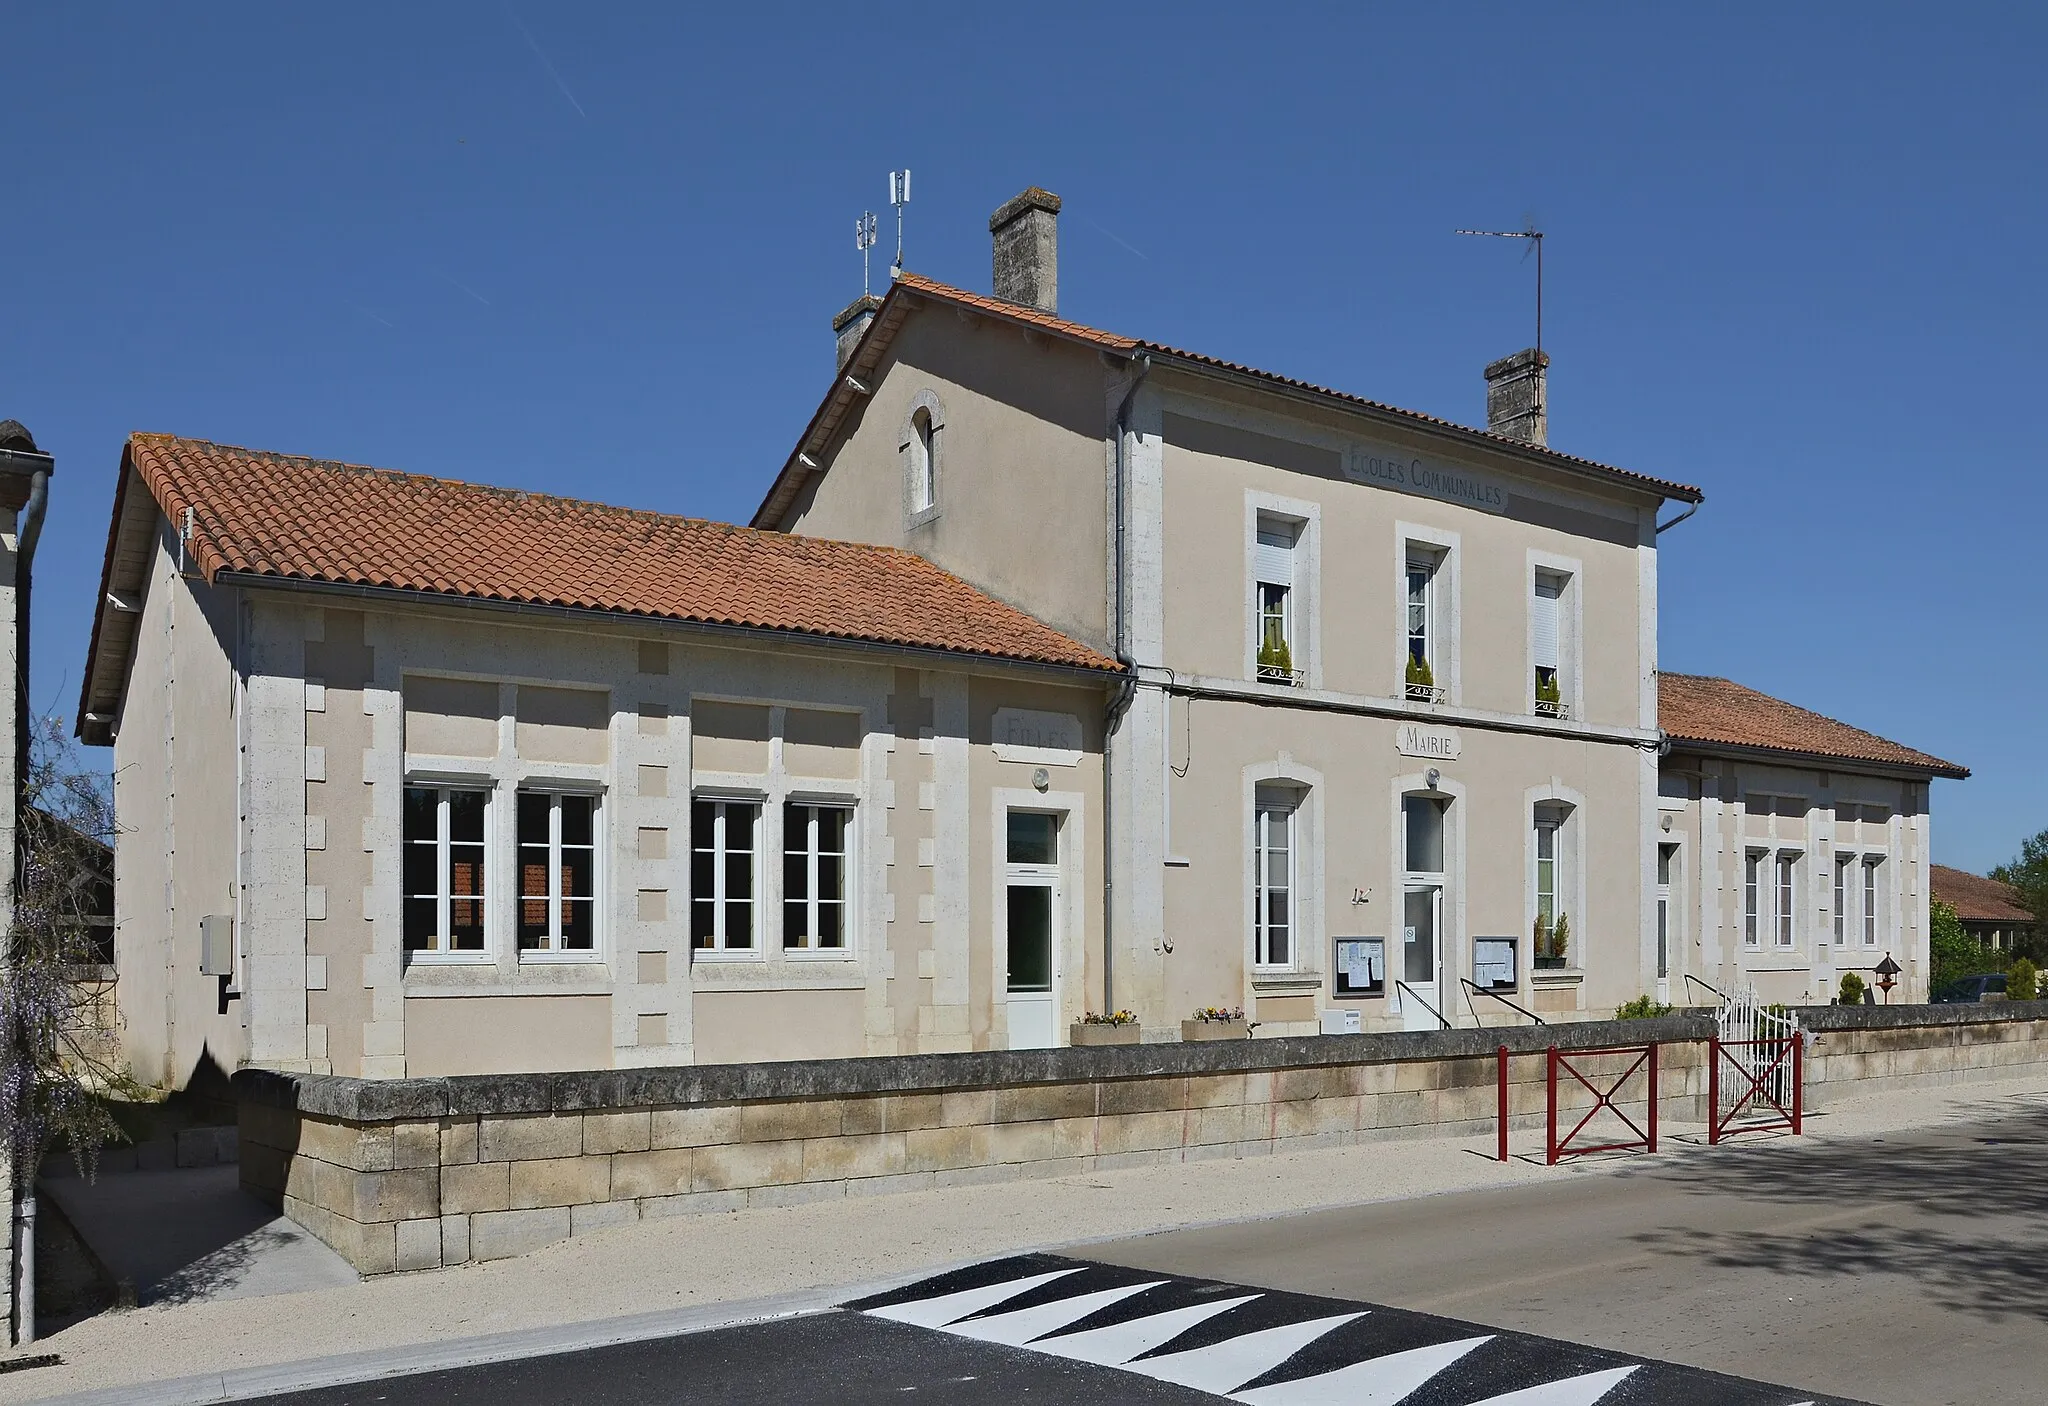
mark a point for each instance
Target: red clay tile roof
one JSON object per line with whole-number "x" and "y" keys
{"x": 892, "y": 312}
{"x": 1975, "y": 898}
{"x": 313, "y": 520}
{"x": 1721, "y": 712}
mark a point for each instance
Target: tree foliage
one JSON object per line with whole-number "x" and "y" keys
{"x": 1951, "y": 951}
{"x": 2028, "y": 876}
{"x": 57, "y": 1045}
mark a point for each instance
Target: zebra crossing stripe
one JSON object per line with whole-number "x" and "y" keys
{"x": 1572, "y": 1391}
{"x": 1379, "y": 1381}
{"x": 1016, "y": 1328}
{"x": 949, "y": 1308}
{"x": 1222, "y": 1368}
{"x": 1120, "y": 1342}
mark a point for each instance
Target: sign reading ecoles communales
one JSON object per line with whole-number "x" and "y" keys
{"x": 1439, "y": 744}
{"x": 1370, "y": 463}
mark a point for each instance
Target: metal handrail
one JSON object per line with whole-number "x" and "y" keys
{"x": 1718, "y": 992}
{"x": 1425, "y": 1005}
{"x": 1471, "y": 985}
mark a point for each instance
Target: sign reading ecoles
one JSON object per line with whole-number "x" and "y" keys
{"x": 1369, "y": 463}
{"x": 1439, "y": 744}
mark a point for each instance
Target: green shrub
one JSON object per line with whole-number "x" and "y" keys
{"x": 1952, "y": 952}
{"x": 1852, "y": 989}
{"x": 1642, "y": 1008}
{"x": 1561, "y": 935}
{"x": 1420, "y": 673}
{"x": 1274, "y": 652}
{"x": 2022, "y": 981}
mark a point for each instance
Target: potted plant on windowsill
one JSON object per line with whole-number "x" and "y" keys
{"x": 1216, "y": 1023}
{"x": 1116, "y": 1028}
{"x": 1276, "y": 659}
{"x": 1550, "y": 942}
{"x": 1421, "y": 681}
{"x": 1550, "y": 696}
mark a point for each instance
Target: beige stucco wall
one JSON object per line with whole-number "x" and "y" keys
{"x": 1716, "y": 820}
{"x": 175, "y": 782}
{"x": 742, "y": 1027}
{"x": 1023, "y": 471}
{"x": 531, "y": 1034}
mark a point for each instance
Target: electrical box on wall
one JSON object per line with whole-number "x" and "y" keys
{"x": 1340, "y": 1022}
{"x": 217, "y": 946}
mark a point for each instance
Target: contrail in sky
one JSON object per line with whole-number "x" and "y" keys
{"x": 1126, "y": 243}
{"x": 464, "y": 287}
{"x": 546, "y": 64}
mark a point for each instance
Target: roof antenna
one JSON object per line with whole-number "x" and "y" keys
{"x": 864, "y": 240}
{"x": 899, "y": 196}
{"x": 1535, "y": 238}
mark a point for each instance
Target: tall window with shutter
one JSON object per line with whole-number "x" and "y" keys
{"x": 1545, "y": 636}
{"x": 1424, "y": 663}
{"x": 1273, "y": 605}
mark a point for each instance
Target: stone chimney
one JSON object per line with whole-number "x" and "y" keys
{"x": 851, "y": 323}
{"x": 1027, "y": 250}
{"x": 1517, "y": 402}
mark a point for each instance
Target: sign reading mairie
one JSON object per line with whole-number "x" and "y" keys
{"x": 1439, "y": 744}
{"x": 1394, "y": 468}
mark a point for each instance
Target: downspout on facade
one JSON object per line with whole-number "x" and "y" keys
{"x": 1120, "y": 704}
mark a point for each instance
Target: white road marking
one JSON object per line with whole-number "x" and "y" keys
{"x": 1572, "y": 1391}
{"x": 1380, "y": 1381}
{"x": 946, "y": 1308}
{"x": 1222, "y": 1368}
{"x": 1020, "y": 1326}
{"x": 1120, "y": 1342}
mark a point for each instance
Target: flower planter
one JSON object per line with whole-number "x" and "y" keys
{"x": 1550, "y": 964}
{"x": 1215, "y": 1030}
{"x": 1082, "y": 1034}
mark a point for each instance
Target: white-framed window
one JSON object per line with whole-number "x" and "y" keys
{"x": 1845, "y": 892}
{"x": 1870, "y": 891}
{"x": 924, "y": 458}
{"x": 1548, "y": 823}
{"x": 1666, "y": 854}
{"x": 558, "y": 850}
{"x": 1278, "y": 641}
{"x": 1424, "y": 679}
{"x": 725, "y": 875}
{"x": 1546, "y": 636}
{"x": 815, "y": 852}
{"x": 1274, "y": 920}
{"x": 446, "y": 832}
{"x": 1753, "y": 897}
{"x": 1787, "y": 908}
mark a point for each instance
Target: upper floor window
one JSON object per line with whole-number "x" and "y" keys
{"x": 921, "y": 441}
{"x": 814, "y": 853}
{"x": 1546, "y": 634}
{"x": 1274, "y": 920}
{"x": 444, "y": 869}
{"x": 724, "y": 877}
{"x": 923, "y": 456}
{"x": 1273, "y": 605}
{"x": 1425, "y": 628}
{"x": 557, "y": 872}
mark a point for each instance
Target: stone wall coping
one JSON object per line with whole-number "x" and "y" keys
{"x": 387, "y": 1100}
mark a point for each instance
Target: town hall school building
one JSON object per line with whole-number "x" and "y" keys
{"x": 1060, "y": 672}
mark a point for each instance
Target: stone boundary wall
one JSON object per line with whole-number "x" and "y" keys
{"x": 413, "y": 1174}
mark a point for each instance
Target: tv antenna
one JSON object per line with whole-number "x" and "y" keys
{"x": 864, "y": 240}
{"x": 1534, "y": 236}
{"x": 899, "y": 196}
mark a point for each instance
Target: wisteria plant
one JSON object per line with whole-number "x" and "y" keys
{"x": 57, "y": 1045}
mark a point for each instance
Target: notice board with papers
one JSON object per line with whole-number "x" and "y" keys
{"x": 1361, "y": 967}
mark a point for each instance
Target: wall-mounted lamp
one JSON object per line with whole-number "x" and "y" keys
{"x": 1432, "y": 776}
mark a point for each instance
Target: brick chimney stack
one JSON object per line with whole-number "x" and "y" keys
{"x": 1027, "y": 250}
{"x": 851, "y": 323}
{"x": 1517, "y": 398}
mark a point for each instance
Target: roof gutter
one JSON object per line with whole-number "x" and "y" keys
{"x": 1820, "y": 761}
{"x": 751, "y": 634}
{"x": 1664, "y": 527}
{"x": 1121, "y": 702}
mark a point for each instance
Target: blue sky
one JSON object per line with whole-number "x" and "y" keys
{"x": 1795, "y": 255}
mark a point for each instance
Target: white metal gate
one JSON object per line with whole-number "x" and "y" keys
{"x": 1745, "y": 1023}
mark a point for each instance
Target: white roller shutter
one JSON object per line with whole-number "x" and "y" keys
{"x": 1544, "y": 610}
{"x": 1273, "y": 560}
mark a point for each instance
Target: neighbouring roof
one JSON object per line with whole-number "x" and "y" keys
{"x": 287, "y": 518}
{"x": 1722, "y": 713}
{"x": 1975, "y": 898}
{"x": 908, "y": 286}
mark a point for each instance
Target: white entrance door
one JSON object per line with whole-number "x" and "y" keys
{"x": 1422, "y": 912}
{"x": 1031, "y": 904}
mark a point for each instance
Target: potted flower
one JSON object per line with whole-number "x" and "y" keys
{"x": 1216, "y": 1023}
{"x": 1116, "y": 1028}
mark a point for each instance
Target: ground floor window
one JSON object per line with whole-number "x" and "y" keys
{"x": 557, "y": 872}
{"x": 1273, "y": 918}
{"x": 444, "y": 869}
{"x": 1752, "y": 897}
{"x": 1844, "y": 864}
{"x": 723, "y": 874}
{"x": 814, "y": 855}
{"x": 1870, "y": 868}
{"x": 1788, "y": 872}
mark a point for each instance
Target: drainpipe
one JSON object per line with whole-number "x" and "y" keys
{"x": 1128, "y": 690}
{"x": 1664, "y": 527}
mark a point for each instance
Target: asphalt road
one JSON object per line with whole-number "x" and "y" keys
{"x": 1056, "y": 1330}
{"x": 1906, "y": 1270}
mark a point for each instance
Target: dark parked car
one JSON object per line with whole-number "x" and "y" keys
{"x": 1967, "y": 990}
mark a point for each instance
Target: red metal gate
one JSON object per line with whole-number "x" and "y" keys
{"x": 1645, "y": 1139}
{"x": 1761, "y": 1069}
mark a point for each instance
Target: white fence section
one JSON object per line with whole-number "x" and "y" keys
{"x": 1741, "y": 1018}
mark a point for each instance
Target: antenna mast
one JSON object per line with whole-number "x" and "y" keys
{"x": 1535, "y": 238}
{"x": 864, "y": 240}
{"x": 899, "y": 196}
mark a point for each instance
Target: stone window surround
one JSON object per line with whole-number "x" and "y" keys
{"x": 1570, "y": 873}
{"x": 1304, "y": 596}
{"x": 1571, "y": 672}
{"x": 1446, "y": 608}
{"x": 927, "y": 401}
{"x": 1305, "y": 964}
